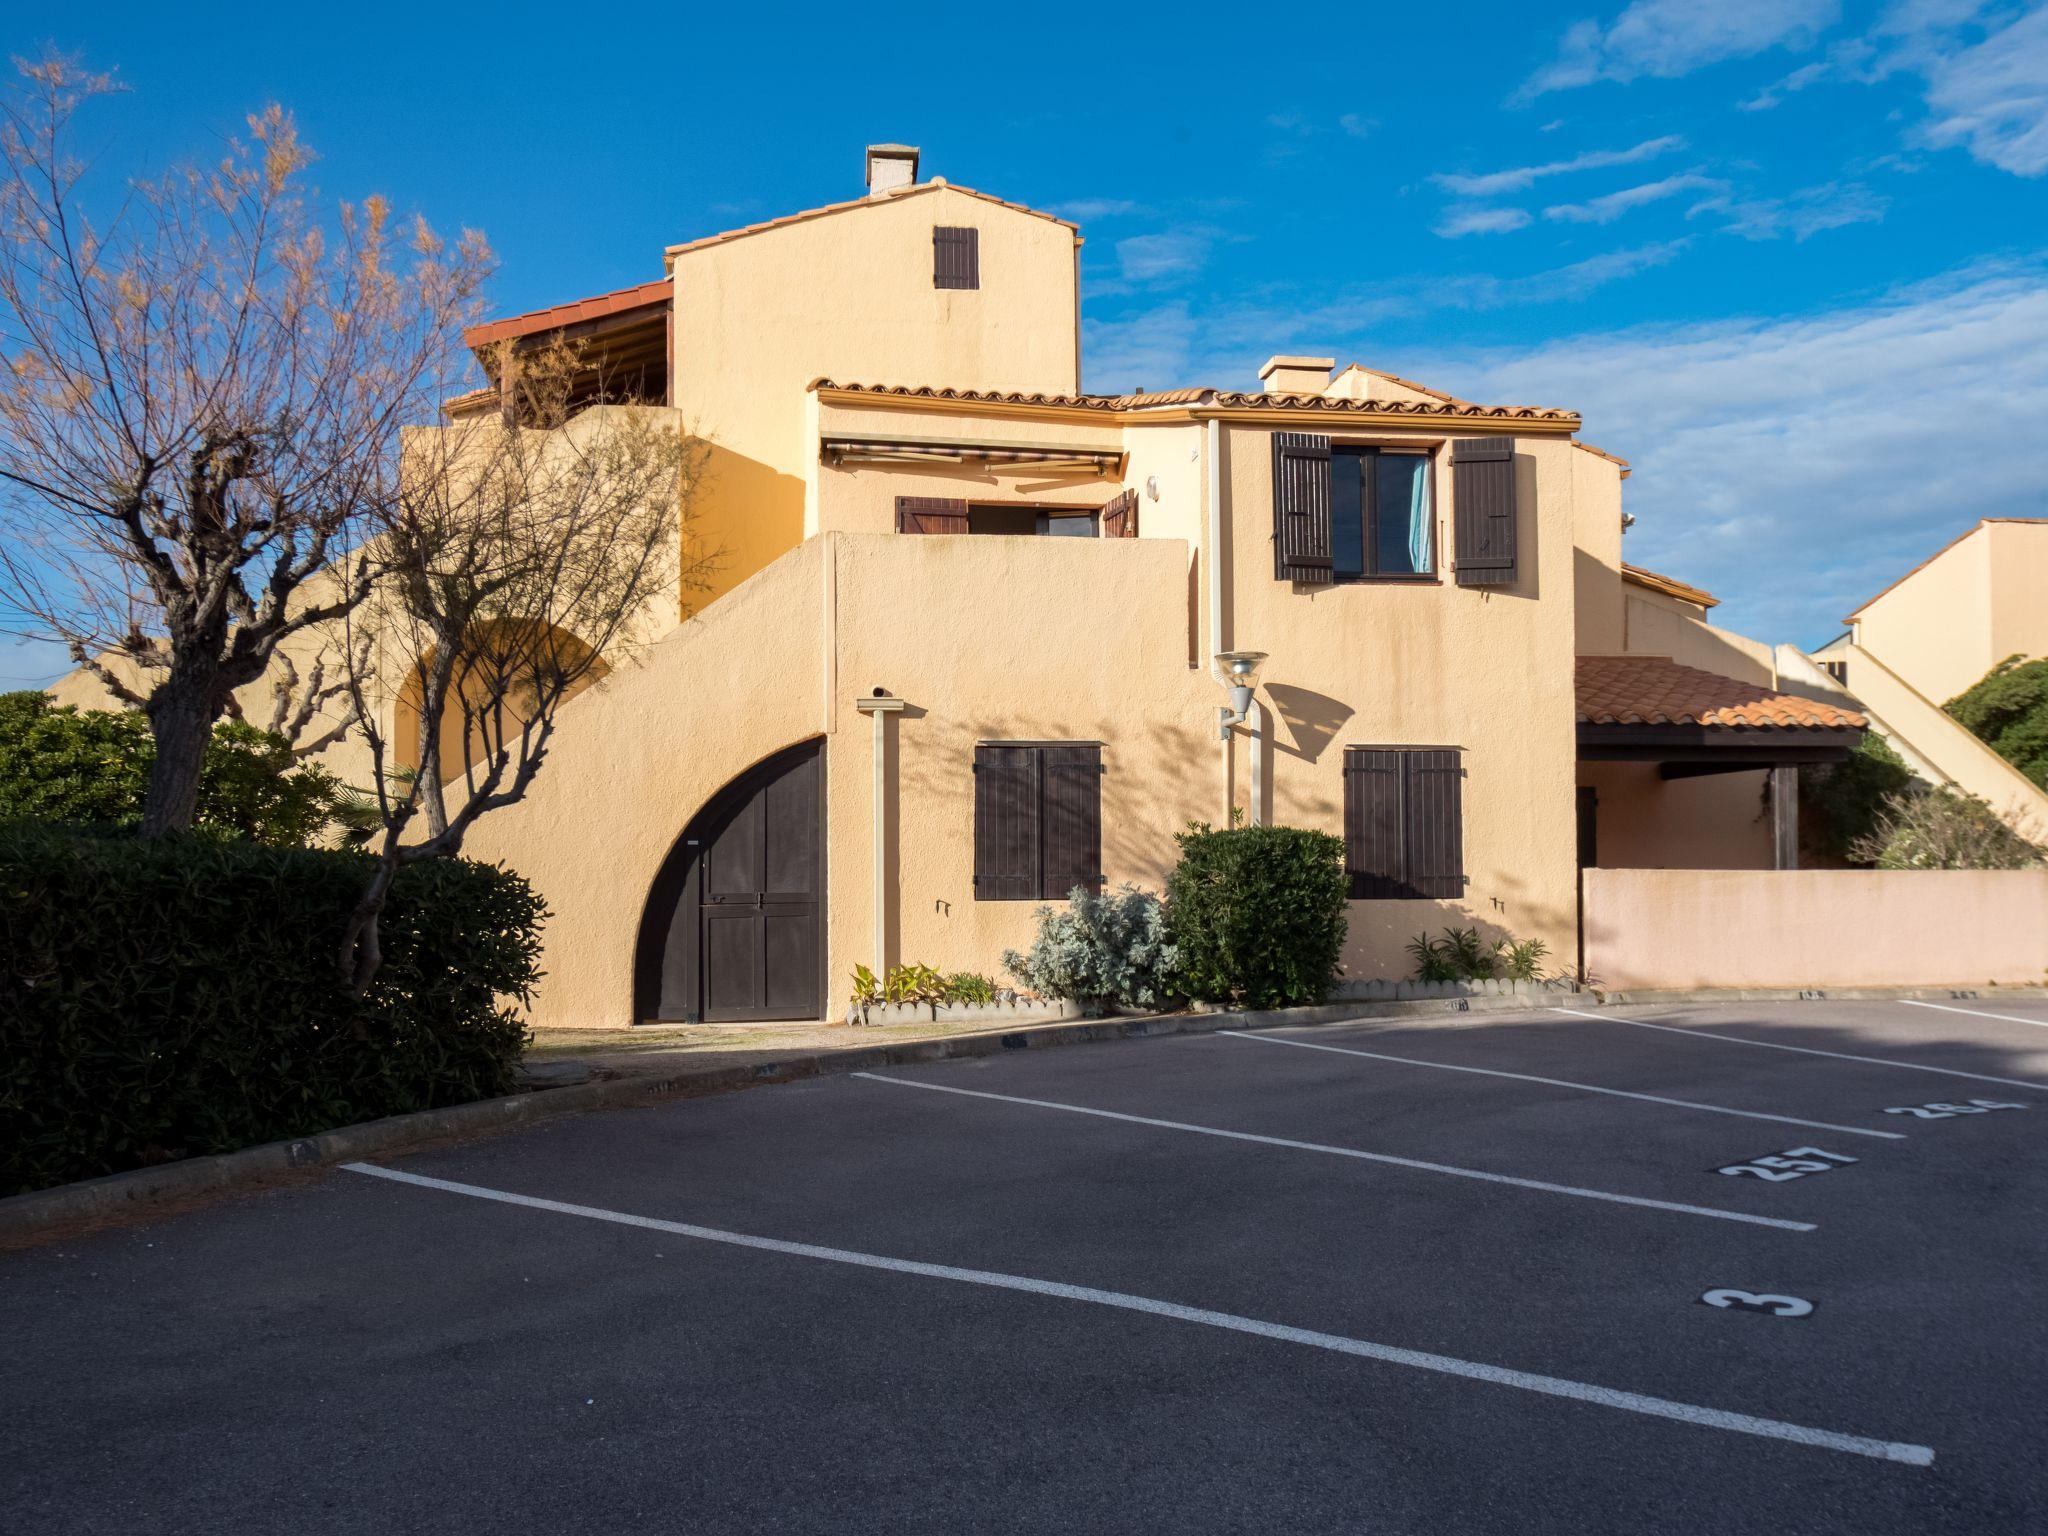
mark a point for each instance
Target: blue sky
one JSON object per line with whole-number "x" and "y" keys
{"x": 1787, "y": 256}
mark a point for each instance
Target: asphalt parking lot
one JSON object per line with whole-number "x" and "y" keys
{"x": 1740, "y": 1268}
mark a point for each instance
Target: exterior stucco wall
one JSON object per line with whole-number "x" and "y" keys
{"x": 1596, "y": 565}
{"x": 1657, "y": 625}
{"x": 2019, "y": 591}
{"x": 1815, "y": 928}
{"x": 1716, "y": 821}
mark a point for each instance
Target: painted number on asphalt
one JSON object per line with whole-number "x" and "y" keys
{"x": 1950, "y": 1111}
{"x": 1780, "y": 1166}
{"x": 1750, "y": 1301}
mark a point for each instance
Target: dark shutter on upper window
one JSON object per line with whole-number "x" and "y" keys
{"x": 1120, "y": 517}
{"x": 1372, "y": 824}
{"x": 930, "y": 514}
{"x": 956, "y": 257}
{"x": 1404, "y": 827}
{"x": 1483, "y": 498}
{"x": 1301, "y": 506}
{"x": 1006, "y": 826}
{"x": 1070, "y": 798}
{"x": 1434, "y": 830}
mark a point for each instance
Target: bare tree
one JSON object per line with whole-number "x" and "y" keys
{"x": 531, "y": 552}
{"x": 201, "y": 390}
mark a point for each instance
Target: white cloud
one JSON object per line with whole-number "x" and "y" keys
{"x": 1795, "y": 465}
{"x": 1356, "y": 126}
{"x": 1801, "y": 214}
{"x": 1082, "y": 209}
{"x": 1663, "y": 39}
{"x": 1163, "y": 258}
{"x": 1476, "y": 220}
{"x": 1992, "y": 97}
{"x": 1605, "y": 210}
{"x": 1798, "y": 80}
{"x": 1521, "y": 178}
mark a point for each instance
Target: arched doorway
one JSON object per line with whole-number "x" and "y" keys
{"x": 734, "y": 928}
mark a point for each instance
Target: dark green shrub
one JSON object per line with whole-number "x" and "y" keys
{"x": 91, "y": 766}
{"x": 2007, "y": 708}
{"x": 1840, "y": 803}
{"x": 166, "y": 999}
{"x": 1258, "y": 914}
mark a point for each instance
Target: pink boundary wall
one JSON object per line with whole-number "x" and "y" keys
{"x": 1815, "y": 928}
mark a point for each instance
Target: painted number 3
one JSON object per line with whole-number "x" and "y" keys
{"x": 1750, "y": 1301}
{"x": 1948, "y": 1111}
{"x": 1781, "y": 1166}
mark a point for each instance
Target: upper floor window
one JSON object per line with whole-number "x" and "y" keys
{"x": 956, "y": 257}
{"x": 1382, "y": 515}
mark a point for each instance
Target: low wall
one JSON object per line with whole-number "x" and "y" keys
{"x": 1815, "y": 928}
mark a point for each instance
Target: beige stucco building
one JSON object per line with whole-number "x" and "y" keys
{"x": 970, "y": 644}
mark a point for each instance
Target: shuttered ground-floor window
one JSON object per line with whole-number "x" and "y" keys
{"x": 1404, "y": 823}
{"x": 1037, "y": 819}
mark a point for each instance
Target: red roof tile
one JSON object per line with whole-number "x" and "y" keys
{"x": 865, "y": 202}
{"x": 1655, "y": 690}
{"x": 1201, "y": 396}
{"x": 1670, "y": 586}
{"x": 618, "y": 301}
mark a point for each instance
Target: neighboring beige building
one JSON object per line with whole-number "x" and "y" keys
{"x": 1957, "y": 614}
{"x": 973, "y": 642}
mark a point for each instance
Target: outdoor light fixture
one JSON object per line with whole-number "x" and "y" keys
{"x": 1240, "y": 670}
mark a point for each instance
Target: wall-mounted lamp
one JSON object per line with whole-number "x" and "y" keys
{"x": 1241, "y": 675}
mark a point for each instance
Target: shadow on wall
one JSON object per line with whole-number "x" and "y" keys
{"x": 1313, "y": 719}
{"x": 748, "y": 510}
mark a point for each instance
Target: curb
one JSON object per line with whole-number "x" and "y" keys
{"x": 25, "y": 1217}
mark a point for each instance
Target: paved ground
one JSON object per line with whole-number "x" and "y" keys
{"x": 971, "y": 1313}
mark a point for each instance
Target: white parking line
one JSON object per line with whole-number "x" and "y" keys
{"x": 1807, "y": 1050}
{"x": 1495, "y": 1375}
{"x": 1523, "y": 1077}
{"x": 1369, "y": 1157}
{"x": 1975, "y": 1013}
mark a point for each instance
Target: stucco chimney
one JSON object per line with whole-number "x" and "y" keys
{"x": 1297, "y": 375}
{"x": 891, "y": 166}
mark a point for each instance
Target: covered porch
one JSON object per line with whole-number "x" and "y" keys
{"x": 1681, "y": 768}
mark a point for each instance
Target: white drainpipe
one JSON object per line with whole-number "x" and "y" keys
{"x": 1213, "y": 564}
{"x": 878, "y": 709}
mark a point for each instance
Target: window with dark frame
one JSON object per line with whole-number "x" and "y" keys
{"x": 1037, "y": 819}
{"x": 1404, "y": 827}
{"x": 1382, "y": 514}
{"x": 956, "y": 257}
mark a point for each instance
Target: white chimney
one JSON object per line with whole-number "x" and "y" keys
{"x": 1297, "y": 375}
{"x": 891, "y": 166}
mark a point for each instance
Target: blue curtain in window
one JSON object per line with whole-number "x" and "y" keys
{"x": 1420, "y": 517}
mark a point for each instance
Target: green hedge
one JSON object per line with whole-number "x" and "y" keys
{"x": 163, "y": 1000}
{"x": 1258, "y": 914}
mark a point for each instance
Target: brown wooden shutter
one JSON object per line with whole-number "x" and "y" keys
{"x": 1301, "y": 506}
{"x": 1372, "y": 824}
{"x": 1006, "y": 824}
{"x": 1070, "y": 795}
{"x": 1120, "y": 517}
{"x": 1483, "y": 499}
{"x": 956, "y": 257}
{"x": 930, "y": 514}
{"x": 1433, "y": 820}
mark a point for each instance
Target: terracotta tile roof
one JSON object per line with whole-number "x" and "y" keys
{"x": 1203, "y": 396}
{"x": 1602, "y": 453}
{"x": 1850, "y": 617}
{"x": 1655, "y": 690}
{"x": 1670, "y": 586}
{"x": 863, "y": 202}
{"x": 618, "y": 301}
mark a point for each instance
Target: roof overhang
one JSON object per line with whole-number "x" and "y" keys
{"x": 1728, "y": 748}
{"x": 841, "y": 448}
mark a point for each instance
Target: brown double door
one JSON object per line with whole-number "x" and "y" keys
{"x": 744, "y": 937}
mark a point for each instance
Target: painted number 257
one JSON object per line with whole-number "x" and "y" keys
{"x": 1795, "y": 1164}
{"x": 1948, "y": 1111}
